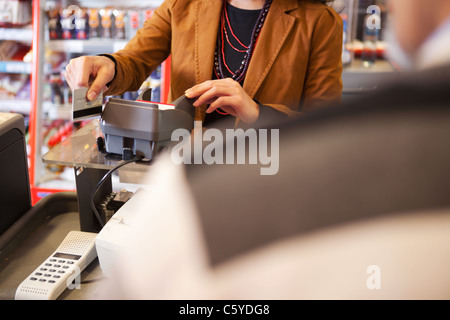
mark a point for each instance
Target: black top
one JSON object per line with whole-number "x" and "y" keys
{"x": 242, "y": 22}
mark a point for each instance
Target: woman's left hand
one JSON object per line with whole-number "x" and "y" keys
{"x": 227, "y": 95}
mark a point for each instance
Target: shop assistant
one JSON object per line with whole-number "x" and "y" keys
{"x": 239, "y": 58}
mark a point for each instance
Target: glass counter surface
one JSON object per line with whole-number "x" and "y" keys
{"x": 80, "y": 150}
{"x": 91, "y": 166}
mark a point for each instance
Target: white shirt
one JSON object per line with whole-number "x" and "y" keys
{"x": 435, "y": 51}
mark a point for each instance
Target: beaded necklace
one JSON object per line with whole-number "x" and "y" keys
{"x": 219, "y": 56}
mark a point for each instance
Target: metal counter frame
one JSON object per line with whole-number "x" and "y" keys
{"x": 80, "y": 151}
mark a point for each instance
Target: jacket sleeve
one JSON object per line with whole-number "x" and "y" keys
{"x": 144, "y": 52}
{"x": 323, "y": 82}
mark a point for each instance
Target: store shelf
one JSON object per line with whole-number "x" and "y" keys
{"x": 90, "y": 46}
{"x": 15, "y": 67}
{"x": 120, "y": 3}
{"x": 15, "y": 105}
{"x": 17, "y": 34}
{"x": 57, "y": 111}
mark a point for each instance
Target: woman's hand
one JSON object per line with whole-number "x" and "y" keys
{"x": 90, "y": 71}
{"x": 225, "y": 94}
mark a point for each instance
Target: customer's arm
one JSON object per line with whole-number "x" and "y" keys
{"x": 144, "y": 52}
{"x": 126, "y": 69}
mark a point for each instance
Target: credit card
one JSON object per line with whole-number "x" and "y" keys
{"x": 82, "y": 108}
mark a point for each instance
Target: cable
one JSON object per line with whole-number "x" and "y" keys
{"x": 100, "y": 183}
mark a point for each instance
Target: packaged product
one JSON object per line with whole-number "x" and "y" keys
{"x": 94, "y": 23}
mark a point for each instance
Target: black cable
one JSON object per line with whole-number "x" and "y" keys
{"x": 100, "y": 183}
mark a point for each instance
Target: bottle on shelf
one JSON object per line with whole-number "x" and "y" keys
{"x": 346, "y": 9}
{"x": 371, "y": 32}
{"x": 80, "y": 23}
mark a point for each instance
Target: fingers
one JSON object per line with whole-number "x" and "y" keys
{"x": 99, "y": 84}
{"x": 81, "y": 71}
{"x": 201, "y": 88}
{"x": 208, "y": 91}
{"x": 198, "y": 89}
{"x": 225, "y": 94}
{"x": 78, "y": 72}
{"x": 224, "y": 103}
{"x": 241, "y": 106}
{"x": 215, "y": 92}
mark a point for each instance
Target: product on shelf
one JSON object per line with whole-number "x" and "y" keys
{"x": 15, "y": 13}
{"x": 94, "y": 23}
{"x": 370, "y": 40}
{"x": 61, "y": 133}
{"x": 134, "y": 22}
{"x": 81, "y": 24}
{"x": 346, "y": 53}
{"x": 148, "y": 14}
{"x": 67, "y": 20}
{"x": 108, "y": 23}
{"x": 54, "y": 24}
{"x": 56, "y": 84}
{"x": 119, "y": 23}
{"x": 14, "y": 86}
{"x": 24, "y": 93}
{"x": 8, "y": 49}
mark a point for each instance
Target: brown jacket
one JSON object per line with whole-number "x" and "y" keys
{"x": 296, "y": 63}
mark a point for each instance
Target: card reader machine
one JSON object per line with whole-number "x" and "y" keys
{"x": 143, "y": 128}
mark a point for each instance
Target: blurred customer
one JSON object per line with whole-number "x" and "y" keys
{"x": 359, "y": 208}
{"x": 419, "y": 33}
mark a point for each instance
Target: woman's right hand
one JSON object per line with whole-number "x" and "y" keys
{"x": 90, "y": 71}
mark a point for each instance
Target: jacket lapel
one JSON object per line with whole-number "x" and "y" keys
{"x": 273, "y": 34}
{"x": 206, "y": 28}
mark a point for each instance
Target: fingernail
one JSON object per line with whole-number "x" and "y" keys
{"x": 188, "y": 93}
{"x": 91, "y": 95}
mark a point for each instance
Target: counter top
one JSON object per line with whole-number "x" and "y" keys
{"x": 38, "y": 238}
